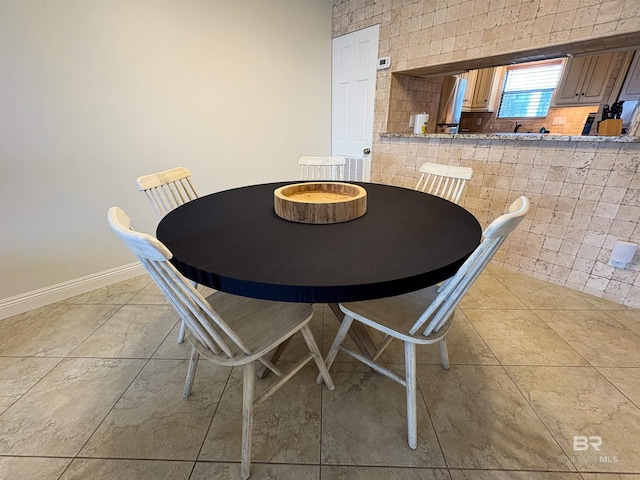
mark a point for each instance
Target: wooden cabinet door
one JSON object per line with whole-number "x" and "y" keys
{"x": 470, "y": 77}
{"x": 569, "y": 87}
{"x": 596, "y": 79}
{"x": 631, "y": 87}
{"x": 584, "y": 80}
{"x": 483, "y": 90}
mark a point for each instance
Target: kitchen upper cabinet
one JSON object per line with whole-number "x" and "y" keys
{"x": 584, "y": 80}
{"x": 631, "y": 87}
{"x": 470, "y": 77}
{"x": 480, "y": 94}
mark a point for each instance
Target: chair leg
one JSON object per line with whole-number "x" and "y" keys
{"x": 181, "y": 334}
{"x": 191, "y": 372}
{"x": 333, "y": 351}
{"x": 410, "y": 379}
{"x": 444, "y": 353}
{"x": 317, "y": 356}
{"x": 248, "y": 378}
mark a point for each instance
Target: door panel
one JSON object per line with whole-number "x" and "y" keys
{"x": 353, "y": 87}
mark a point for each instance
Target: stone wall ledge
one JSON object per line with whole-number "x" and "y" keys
{"x": 516, "y": 137}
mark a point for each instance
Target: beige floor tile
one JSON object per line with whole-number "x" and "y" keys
{"x": 19, "y": 374}
{"x": 102, "y": 469}
{"x": 488, "y": 293}
{"x": 286, "y": 426}
{"x": 59, "y": 332}
{"x": 149, "y": 295}
{"x": 57, "y": 416}
{"x": 537, "y": 294}
{"x": 610, "y": 476}
{"x": 30, "y": 468}
{"x": 262, "y": 471}
{"x": 604, "y": 304}
{"x": 465, "y": 347}
{"x": 482, "y": 420}
{"x": 629, "y": 318}
{"x": 364, "y": 422}
{"x": 383, "y": 473}
{"x": 511, "y": 475}
{"x": 494, "y": 269}
{"x": 12, "y": 326}
{"x": 134, "y": 331}
{"x": 600, "y": 339}
{"x": 171, "y": 349}
{"x": 519, "y": 337}
{"x": 491, "y": 422}
{"x": 627, "y": 380}
{"x": 579, "y": 401}
{"x": 116, "y": 294}
{"x": 153, "y": 420}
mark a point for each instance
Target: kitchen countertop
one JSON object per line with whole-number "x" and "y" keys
{"x": 518, "y": 136}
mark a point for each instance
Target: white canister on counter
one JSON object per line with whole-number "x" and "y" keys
{"x": 419, "y": 120}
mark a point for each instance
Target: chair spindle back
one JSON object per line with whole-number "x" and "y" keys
{"x": 203, "y": 322}
{"x": 168, "y": 189}
{"x": 322, "y": 168}
{"x": 446, "y": 181}
{"x": 454, "y": 289}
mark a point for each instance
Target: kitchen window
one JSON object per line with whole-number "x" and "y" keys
{"x": 528, "y": 89}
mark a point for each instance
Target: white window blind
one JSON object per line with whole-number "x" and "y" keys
{"x": 528, "y": 90}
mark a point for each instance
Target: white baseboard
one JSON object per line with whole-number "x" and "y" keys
{"x": 61, "y": 291}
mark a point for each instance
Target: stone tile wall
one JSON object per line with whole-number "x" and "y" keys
{"x": 585, "y": 194}
{"x": 410, "y": 95}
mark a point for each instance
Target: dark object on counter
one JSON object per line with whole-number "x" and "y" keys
{"x": 588, "y": 123}
{"x": 544, "y": 130}
{"x": 518, "y": 125}
{"x": 615, "y": 111}
{"x": 618, "y": 109}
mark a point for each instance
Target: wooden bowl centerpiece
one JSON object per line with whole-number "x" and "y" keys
{"x": 320, "y": 202}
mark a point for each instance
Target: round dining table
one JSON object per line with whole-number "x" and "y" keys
{"x": 234, "y": 242}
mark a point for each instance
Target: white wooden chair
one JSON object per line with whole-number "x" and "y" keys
{"x": 227, "y": 329}
{"x": 422, "y": 317}
{"x": 446, "y": 181}
{"x": 167, "y": 190}
{"x": 322, "y": 168}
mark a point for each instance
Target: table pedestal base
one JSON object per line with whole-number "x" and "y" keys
{"x": 357, "y": 332}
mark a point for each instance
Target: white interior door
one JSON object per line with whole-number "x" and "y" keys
{"x": 353, "y": 94}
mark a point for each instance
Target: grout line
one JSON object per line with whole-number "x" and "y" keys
{"x": 435, "y": 431}
{"x": 215, "y": 410}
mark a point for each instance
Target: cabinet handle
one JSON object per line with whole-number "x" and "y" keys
{"x": 582, "y": 93}
{"x": 577, "y": 94}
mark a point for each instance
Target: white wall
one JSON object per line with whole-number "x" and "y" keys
{"x": 96, "y": 93}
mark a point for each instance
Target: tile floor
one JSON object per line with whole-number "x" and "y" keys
{"x": 90, "y": 388}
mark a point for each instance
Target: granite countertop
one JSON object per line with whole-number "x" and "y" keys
{"x": 518, "y": 136}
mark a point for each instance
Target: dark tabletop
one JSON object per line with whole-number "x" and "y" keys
{"x": 234, "y": 242}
